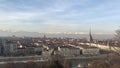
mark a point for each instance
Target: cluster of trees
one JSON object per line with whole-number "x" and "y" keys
{"x": 117, "y": 36}
{"x": 58, "y": 61}
{"x": 29, "y": 64}
{"x": 98, "y": 64}
{"x": 55, "y": 61}
{"x": 113, "y": 61}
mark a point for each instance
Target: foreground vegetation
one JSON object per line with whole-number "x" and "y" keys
{"x": 113, "y": 61}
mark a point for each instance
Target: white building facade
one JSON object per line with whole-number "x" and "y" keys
{"x": 69, "y": 51}
{"x": 90, "y": 50}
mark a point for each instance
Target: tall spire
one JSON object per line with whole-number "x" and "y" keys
{"x": 90, "y": 36}
{"x": 44, "y": 40}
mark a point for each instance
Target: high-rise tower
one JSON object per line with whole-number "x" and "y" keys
{"x": 90, "y": 36}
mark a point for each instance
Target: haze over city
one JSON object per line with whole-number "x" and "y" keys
{"x": 59, "y": 16}
{"x": 59, "y": 33}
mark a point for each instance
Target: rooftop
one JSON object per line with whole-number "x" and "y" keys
{"x": 70, "y": 47}
{"x": 86, "y": 46}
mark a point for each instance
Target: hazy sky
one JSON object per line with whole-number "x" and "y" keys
{"x": 60, "y": 15}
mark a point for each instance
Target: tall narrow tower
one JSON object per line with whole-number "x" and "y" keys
{"x": 44, "y": 40}
{"x": 90, "y": 36}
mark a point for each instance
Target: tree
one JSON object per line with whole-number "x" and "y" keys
{"x": 113, "y": 61}
{"x": 117, "y": 36}
{"x": 55, "y": 64}
{"x": 66, "y": 64}
{"x": 8, "y": 65}
{"x": 30, "y": 64}
{"x": 115, "y": 66}
{"x": 98, "y": 64}
{"x": 57, "y": 61}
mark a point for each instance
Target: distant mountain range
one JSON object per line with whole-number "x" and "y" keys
{"x": 36, "y": 34}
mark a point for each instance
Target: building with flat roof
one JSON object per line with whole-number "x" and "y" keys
{"x": 10, "y": 48}
{"x": 89, "y": 50}
{"x": 68, "y": 51}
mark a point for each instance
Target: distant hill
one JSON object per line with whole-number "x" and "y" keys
{"x": 36, "y": 34}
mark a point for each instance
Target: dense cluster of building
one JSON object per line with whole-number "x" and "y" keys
{"x": 78, "y": 50}
{"x": 19, "y": 47}
{"x": 14, "y": 46}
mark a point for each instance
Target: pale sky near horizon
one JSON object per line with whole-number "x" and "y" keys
{"x": 60, "y": 15}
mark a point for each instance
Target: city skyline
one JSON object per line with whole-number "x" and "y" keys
{"x": 60, "y": 16}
